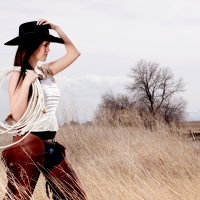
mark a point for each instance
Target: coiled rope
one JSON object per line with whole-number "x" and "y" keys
{"x": 33, "y": 113}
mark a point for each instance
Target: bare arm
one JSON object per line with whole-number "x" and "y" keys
{"x": 72, "y": 52}
{"x": 19, "y": 97}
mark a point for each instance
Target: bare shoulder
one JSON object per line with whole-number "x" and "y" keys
{"x": 14, "y": 76}
{"x": 13, "y": 81}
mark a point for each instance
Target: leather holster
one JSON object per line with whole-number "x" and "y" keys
{"x": 63, "y": 180}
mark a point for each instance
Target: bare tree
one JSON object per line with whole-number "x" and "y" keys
{"x": 111, "y": 108}
{"x": 173, "y": 110}
{"x": 114, "y": 103}
{"x": 154, "y": 89}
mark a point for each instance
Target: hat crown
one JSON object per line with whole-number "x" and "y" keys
{"x": 30, "y": 32}
{"x": 32, "y": 27}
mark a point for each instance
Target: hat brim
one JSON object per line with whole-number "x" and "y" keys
{"x": 33, "y": 37}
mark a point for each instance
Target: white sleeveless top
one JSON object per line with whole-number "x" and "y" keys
{"x": 48, "y": 122}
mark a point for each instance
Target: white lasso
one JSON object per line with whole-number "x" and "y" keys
{"x": 33, "y": 113}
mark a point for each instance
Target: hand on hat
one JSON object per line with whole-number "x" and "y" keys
{"x": 44, "y": 22}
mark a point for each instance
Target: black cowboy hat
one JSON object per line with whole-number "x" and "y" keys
{"x": 30, "y": 31}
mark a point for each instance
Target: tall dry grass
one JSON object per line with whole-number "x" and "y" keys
{"x": 125, "y": 163}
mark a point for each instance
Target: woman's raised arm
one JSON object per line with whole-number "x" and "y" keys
{"x": 72, "y": 52}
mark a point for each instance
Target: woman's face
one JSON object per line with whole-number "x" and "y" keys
{"x": 42, "y": 51}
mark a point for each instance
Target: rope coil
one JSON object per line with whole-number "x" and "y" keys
{"x": 33, "y": 113}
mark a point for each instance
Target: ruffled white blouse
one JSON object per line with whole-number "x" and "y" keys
{"x": 48, "y": 121}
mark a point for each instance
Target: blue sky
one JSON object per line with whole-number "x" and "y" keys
{"x": 112, "y": 37}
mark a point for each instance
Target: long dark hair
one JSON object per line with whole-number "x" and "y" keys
{"x": 24, "y": 51}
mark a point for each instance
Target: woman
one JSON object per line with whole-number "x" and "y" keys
{"x": 39, "y": 152}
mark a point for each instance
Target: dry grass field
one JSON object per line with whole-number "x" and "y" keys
{"x": 125, "y": 163}
{"x": 194, "y": 126}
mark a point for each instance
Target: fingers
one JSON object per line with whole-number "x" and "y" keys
{"x": 31, "y": 73}
{"x": 28, "y": 71}
{"x": 41, "y": 21}
{"x": 46, "y": 23}
{"x": 31, "y": 76}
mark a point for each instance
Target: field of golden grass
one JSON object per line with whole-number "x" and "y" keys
{"x": 125, "y": 163}
{"x": 193, "y": 126}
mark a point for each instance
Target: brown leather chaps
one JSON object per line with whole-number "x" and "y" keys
{"x": 25, "y": 161}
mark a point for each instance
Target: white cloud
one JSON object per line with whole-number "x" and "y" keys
{"x": 112, "y": 36}
{"x": 90, "y": 87}
{"x": 194, "y": 115}
{"x": 85, "y": 92}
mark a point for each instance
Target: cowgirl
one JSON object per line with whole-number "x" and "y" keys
{"x": 39, "y": 152}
